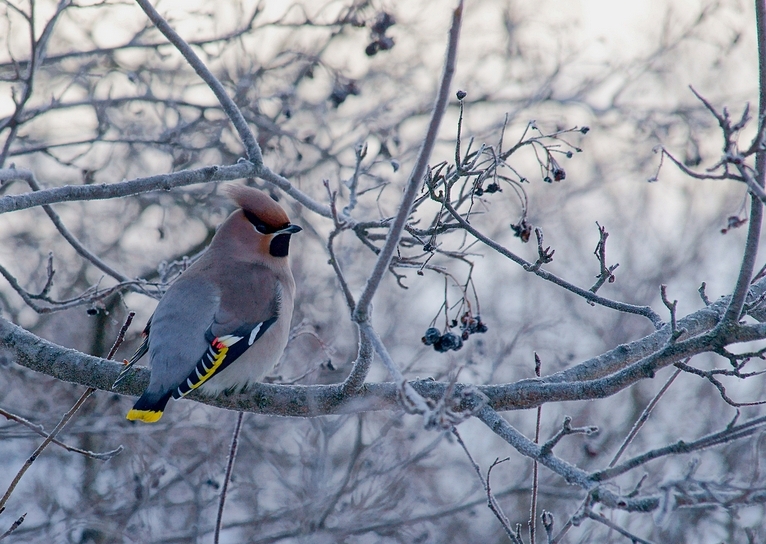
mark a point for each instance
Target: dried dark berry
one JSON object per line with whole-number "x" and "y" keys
{"x": 558, "y": 174}
{"x": 522, "y": 230}
{"x": 372, "y": 49}
{"x": 385, "y": 43}
{"x": 383, "y": 22}
{"x": 461, "y": 95}
{"x": 493, "y": 188}
{"x": 465, "y": 335}
{"x": 341, "y": 91}
{"x": 91, "y": 311}
{"x": 432, "y": 336}
{"x": 547, "y": 179}
{"x": 478, "y": 191}
{"x": 481, "y": 327}
{"x": 450, "y": 341}
{"x": 585, "y": 130}
{"x": 453, "y": 323}
{"x": 569, "y": 154}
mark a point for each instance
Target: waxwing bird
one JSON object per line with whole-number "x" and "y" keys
{"x": 224, "y": 322}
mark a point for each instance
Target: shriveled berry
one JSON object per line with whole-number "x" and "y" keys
{"x": 372, "y": 49}
{"x": 450, "y": 341}
{"x": 383, "y": 22}
{"x": 465, "y": 335}
{"x": 461, "y": 95}
{"x": 385, "y": 43}
{"x": 481, "y": 327}
{"x": 493, "y": 188}
{"x": 432, "y": 336}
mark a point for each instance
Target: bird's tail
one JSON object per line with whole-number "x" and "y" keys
{"x": 149, "y": 407}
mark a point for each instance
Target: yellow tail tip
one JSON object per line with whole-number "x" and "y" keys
{"x": 147, "y": 416}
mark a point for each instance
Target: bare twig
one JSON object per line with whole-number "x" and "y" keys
{"x": 566, "y": 429}
{"x": 601, "y": 519}
{"x": 227, "y": 477}
{"x": 491, "y": 501}
{"x": 606, "y": 272}
{"x": 69, "y": 237}
{"x": 416, "y": 176}
{"x": 105, "y": 456}
{"x": 232, "y": 111}
{"x": 675, "y": 332}
{"x": 642, "y": 418}
{"x": 734, "y": 311}
{"x": 729, "y": 434}
{"x": 544, "y": 255}
{"x": 645, "y": 311}
{"x": 535, "y": 468}
{"x": 65, "y": 419}
{"x": 14, "y": 526}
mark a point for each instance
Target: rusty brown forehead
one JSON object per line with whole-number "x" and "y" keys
{"x": 258, "y": 203}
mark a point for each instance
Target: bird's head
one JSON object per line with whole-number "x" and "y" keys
{"x": 264, "y": 221}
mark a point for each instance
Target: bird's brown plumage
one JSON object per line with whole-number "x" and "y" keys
{"x": 260, "y": 204}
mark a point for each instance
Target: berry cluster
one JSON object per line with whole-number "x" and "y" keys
{"x": 471, "y": 325}
{"x": 442, "y": 342}
{"x": 449, "y": 340}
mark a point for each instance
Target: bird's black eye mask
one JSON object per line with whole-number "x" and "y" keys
{"x": 260, "y": 226}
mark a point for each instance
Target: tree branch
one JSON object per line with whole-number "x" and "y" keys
{"x": 418, "y": 171}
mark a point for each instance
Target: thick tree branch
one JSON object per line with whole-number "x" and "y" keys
{"x": 598, "y": 377}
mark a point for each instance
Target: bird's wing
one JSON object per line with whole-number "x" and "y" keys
{"x": 246, "y": 311}
{"x": 222, "y": 351}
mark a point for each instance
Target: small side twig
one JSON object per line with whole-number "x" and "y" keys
{"x": 544, "y": 256}
{"x": 491, "y": 502}
{"x": 606, "y": 273}
{"x": 547, "y": 519}
{"x": 105, "y": 456}
{"x": 601, "y": 519}
{"x": 566, "y": 429}
{"x": 675, "y": 332}
{"x": 535, "y": 467}
{"x": 360, "y": 152}
{"x": 643, "y": 417}
{"x": 13, "y": 527}
{"x": 227, "y": 477}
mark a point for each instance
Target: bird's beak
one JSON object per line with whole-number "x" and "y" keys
{"x": 291, "y": 229}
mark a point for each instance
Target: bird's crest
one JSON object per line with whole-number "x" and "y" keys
{"x": 259, "y": 204}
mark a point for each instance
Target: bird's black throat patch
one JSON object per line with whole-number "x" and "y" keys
{"x": 280, "y": 245}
